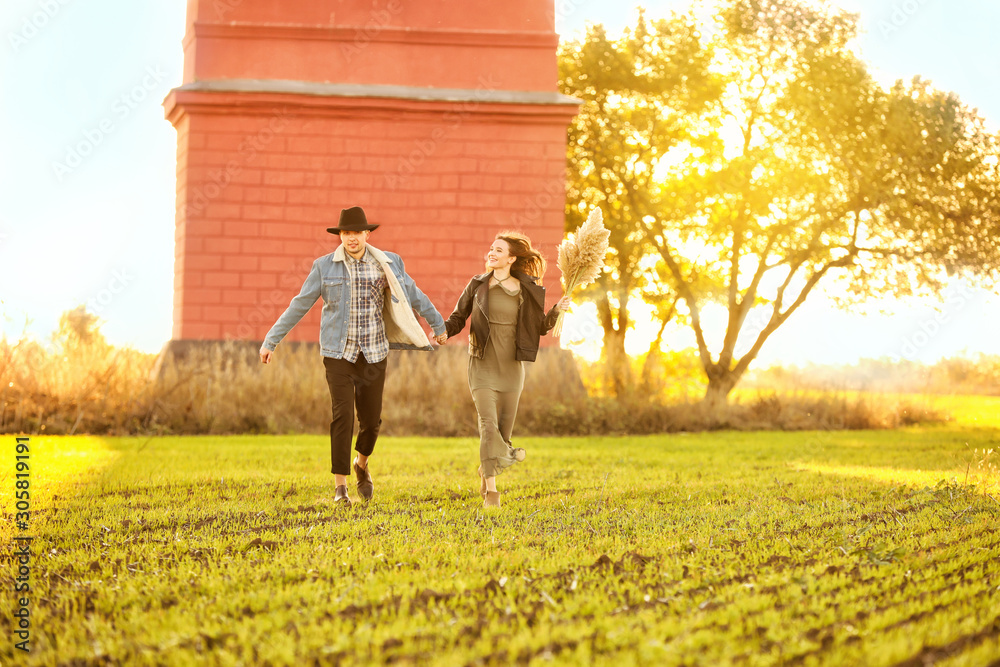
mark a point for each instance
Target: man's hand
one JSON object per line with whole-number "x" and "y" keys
{"x": 265, "y": 355}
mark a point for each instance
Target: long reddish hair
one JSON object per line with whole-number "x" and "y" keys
{"x": 529, "y": 260}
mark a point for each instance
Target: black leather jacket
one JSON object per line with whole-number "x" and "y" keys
{"x": 532, "y": 320}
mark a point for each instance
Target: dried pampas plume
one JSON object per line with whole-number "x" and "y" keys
{"x": 581, "y": 256}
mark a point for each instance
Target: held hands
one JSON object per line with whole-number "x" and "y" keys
{"x": 265, "y": 355}
{"x": 441, "y": 338}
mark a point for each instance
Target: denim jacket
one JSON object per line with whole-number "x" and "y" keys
{"x": 330, "y": 279}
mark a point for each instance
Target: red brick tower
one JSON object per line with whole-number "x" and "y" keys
{"x": 441, "y": 119}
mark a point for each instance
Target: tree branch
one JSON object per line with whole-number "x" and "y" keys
{"x": 778, "y": 318}
{"x": 738, "y": 312}
{"x": 685, "y": 291}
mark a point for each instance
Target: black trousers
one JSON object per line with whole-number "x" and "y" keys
{"x": 354, "y": 386}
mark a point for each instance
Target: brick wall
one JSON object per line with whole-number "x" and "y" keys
{"x": 404, "y": 42}
{"x": 264, "y": 165}
{"x": 257, "y": 192}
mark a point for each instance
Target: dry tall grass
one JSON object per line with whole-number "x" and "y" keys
{"x": 220, "y": 389}
{"x": 81, "y": 384}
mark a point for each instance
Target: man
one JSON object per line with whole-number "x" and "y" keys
{"x": 368, "y": 304}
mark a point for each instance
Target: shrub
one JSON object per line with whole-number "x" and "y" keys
{"x": 81, "y": 384}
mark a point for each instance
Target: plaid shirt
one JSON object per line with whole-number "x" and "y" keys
{"x": 365, "y": 326}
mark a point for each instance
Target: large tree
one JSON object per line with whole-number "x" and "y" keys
{"x": 639, "y": 93}
{"x": 803, "y": 170}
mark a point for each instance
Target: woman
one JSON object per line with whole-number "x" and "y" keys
{"x": 508, "y": 318}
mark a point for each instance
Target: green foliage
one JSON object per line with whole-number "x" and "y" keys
{"x": 731, "y": 548}
{"x": 756, "y": 157}
{"x": 625, "y": 126}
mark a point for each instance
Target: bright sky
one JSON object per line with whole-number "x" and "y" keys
{"x": 87, "y": 169}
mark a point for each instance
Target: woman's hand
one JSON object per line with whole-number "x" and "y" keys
{"x": 563, "y": 305}
{"x": 265, "y": 355}
{"x": 441, "y": 339}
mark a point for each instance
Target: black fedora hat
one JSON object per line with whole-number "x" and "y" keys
{"x": 352, "y": 220}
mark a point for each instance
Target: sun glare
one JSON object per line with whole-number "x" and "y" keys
{"x": 904, "y": 476}
{"x": 55, "y": 466}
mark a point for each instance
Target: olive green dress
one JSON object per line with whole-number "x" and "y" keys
{"x": 496, "y": 381}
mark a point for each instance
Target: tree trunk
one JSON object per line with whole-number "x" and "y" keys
{"x": 653, "y": 365}
{"x": 651, "y": 370}
{"x": 617, "y": 369}
{"x": 719, "y": 385}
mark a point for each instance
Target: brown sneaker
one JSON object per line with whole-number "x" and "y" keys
{"x": 341, "y": 497}
{"x": 366, "y": 487}
{"x": 491, "y": 499}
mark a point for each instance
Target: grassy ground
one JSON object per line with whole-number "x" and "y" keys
{"x": 805, "y": 548}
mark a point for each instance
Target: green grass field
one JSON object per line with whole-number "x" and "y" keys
{"x": 803, "y": 548}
